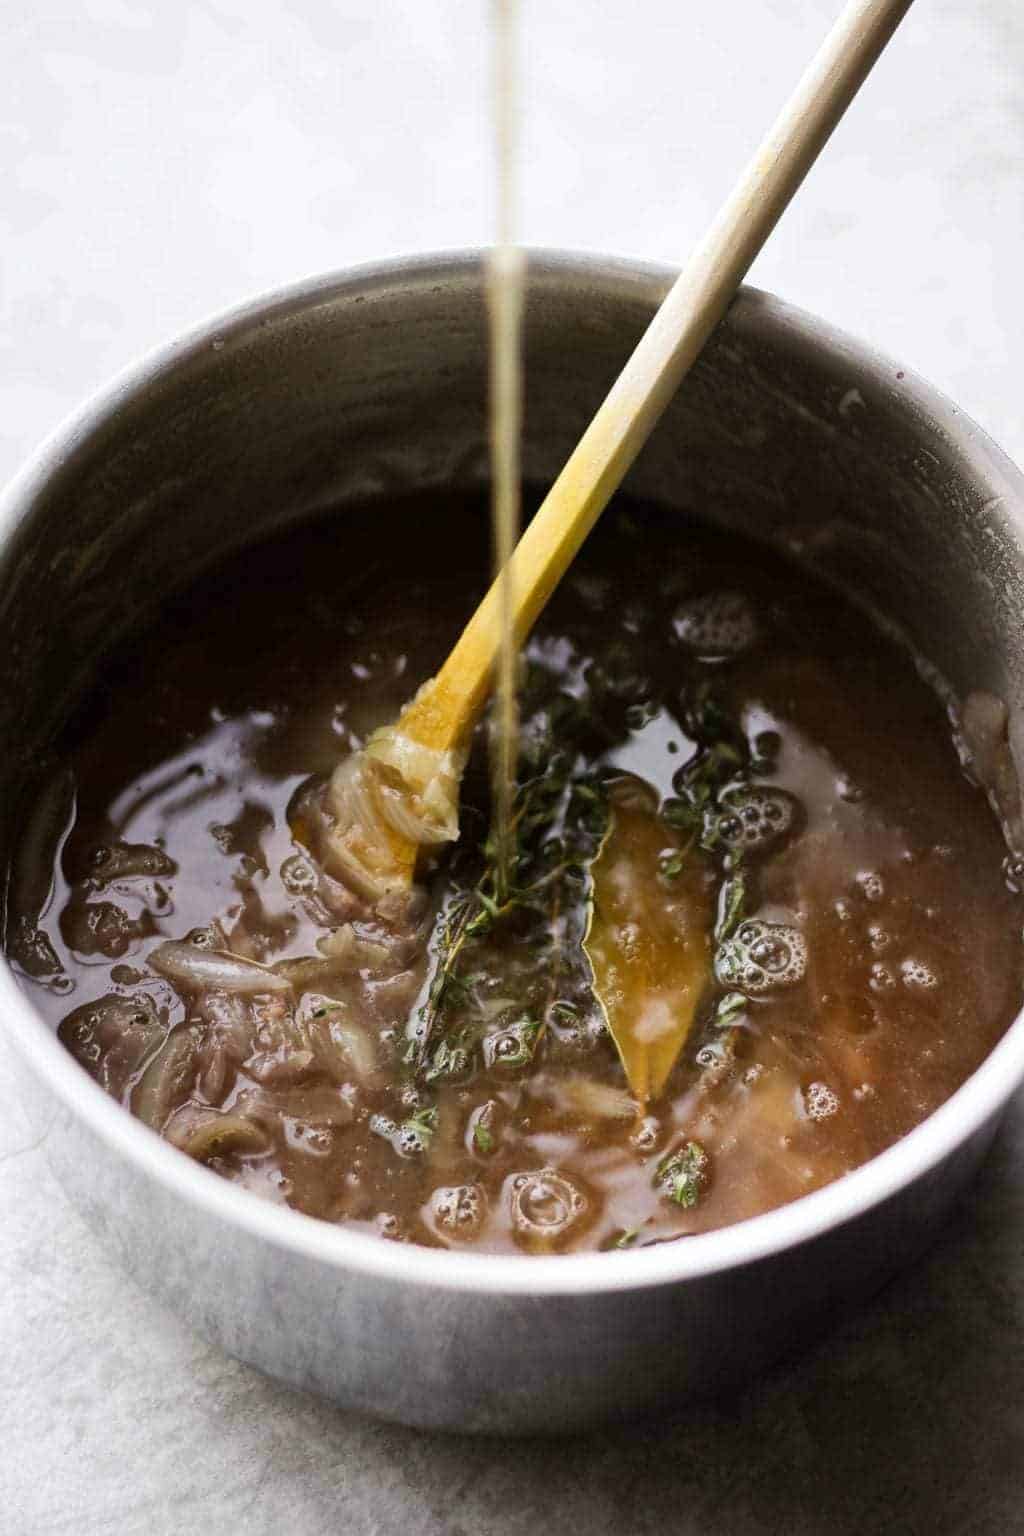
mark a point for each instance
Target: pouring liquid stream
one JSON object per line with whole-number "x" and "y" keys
{"x": 505, "y": 293}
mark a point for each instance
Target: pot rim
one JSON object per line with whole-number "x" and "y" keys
{"x": 976, "y": 1102}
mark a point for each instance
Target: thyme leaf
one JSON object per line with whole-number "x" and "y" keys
{"x": 449, "y": 1060}
{"x": 731, "y": 899}
{"x": 682, "y": 1175}
{"x": 728, "y": 1007}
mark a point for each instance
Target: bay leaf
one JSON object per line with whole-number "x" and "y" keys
{"x": 648, "y": 937}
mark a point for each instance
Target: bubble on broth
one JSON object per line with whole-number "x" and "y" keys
{"x": 871, "y": 884}
{"x": 762, "y": 956}
{"x": 314, "y": 1140}
{"x": 458, "y": 1210}
{"x": 915, "y": 973}
{"x": 820, "y": 1101}
{"x": 878, "y": 937}
{"x": 544, "y": 1206}
{"x": 881, "y": 978}
{"x": 716, "y": 1058}
{"x": 411, "y": 1138}
{"x": 411, "y": 1141}
{"x": 716, "y": 626}
{"x": 647, "y": 1134}
{"x": 512, "y": 1048}
{"x": 298, "y": 875}
{"x": 754, "y": 818}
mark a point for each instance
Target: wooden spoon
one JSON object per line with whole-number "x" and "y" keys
{"x": 443, "y": 713}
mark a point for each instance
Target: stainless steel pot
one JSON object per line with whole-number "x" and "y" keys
{"x": 367, "y": 384}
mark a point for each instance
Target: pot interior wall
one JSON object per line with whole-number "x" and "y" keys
{"x": 373, "y": 385}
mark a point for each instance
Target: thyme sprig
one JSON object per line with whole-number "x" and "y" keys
{"x": 557, "y": 820}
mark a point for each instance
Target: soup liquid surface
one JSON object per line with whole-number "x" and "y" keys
{"x": 871, "y": 958}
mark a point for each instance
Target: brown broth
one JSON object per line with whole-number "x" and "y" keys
{"x": 201, "y": 734}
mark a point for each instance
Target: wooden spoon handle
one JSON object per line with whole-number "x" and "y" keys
{"x": 695, "y": 303}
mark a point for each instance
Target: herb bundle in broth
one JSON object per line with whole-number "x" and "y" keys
{"x": 715, "y": 878}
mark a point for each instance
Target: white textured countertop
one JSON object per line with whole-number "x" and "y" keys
{"x": 159, "y": 161}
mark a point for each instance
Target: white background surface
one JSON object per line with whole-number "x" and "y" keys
{"x": 160, "y": 160}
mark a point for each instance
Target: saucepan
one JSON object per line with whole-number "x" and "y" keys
{"x": 365, "y": 385}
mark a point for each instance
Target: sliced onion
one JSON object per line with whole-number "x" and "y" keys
{"x": 308, "y": 971}
{"x": 205, "y": 1133}
{"x": 340, "y": 945}
{"x": 315, "y": 1105}
{"x": 342, "y": 1049}
{"x": 167, "y": 1081}
{"x": 598, "y": 1101}
{"x": 342, "y": 953}
{"x": 405, "y": 814}
{"x": 113, "y": 1036}
{"x": 216, "y": 1071}
{"x": 421, "y": 786}
{"x": 205, "y": 969}
{"x": 396, "y": 994}
{"x": 359, "y": 845}
{"x": 984, "y": 727}
{"x": 231, "y": 1022}
{"x": 410, "y": 761}
{"x": 285, "y": 1065}
{"x": 356, "y": 952}
{"x": 395, "y": 790}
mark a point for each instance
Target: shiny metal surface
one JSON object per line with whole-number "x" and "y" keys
{"x": 367, "y": 384}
